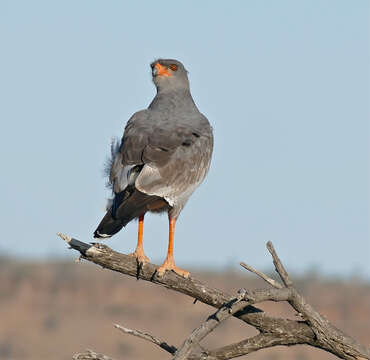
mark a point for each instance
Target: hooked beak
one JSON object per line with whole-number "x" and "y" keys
{"x": 160, "y": 70}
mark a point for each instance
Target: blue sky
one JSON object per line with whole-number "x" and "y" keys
{"x": 285, "y": 85}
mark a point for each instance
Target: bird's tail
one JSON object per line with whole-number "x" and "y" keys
{"x": 108, "y": 226}
{"x": 127, "y": 205}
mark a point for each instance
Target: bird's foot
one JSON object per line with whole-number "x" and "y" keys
{"x": 141, "y": 258}
{"x": 170, "y": 265}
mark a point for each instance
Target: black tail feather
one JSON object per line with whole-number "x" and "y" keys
{"x": 108, "y": 226}
{"x": 127, "y": 205}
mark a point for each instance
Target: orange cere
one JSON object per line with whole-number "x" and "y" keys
{"x": 162, "y": 70}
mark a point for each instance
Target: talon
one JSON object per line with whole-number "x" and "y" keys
{"x": 169, "y": 265}
{"x": 141, "y": 258}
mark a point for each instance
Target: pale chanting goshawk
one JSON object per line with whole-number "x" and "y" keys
{"x": 164, "y": 155}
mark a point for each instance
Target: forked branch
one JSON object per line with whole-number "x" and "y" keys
{"x": 312, "y": 329}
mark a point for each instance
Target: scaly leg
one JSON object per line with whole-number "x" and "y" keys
{"x": 169, "y": 263}
{"x": 139, "y": 252}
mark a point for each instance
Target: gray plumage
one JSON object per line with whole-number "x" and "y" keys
{"x": 164, "y": 155}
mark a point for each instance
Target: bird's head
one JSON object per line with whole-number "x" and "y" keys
{"x": 169, "y": 74}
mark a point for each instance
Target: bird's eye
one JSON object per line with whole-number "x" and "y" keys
{"x": 173, "y": 67}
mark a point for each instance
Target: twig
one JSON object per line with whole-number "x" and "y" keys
{"x": 270, "y": 281}
{"x": 279, "y": 266}
{"x": 148, "y": 337}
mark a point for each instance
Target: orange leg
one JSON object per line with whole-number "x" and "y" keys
{"x": 169, "y": 263}
{"x": 139, "y": 252}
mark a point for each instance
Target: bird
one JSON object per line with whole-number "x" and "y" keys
{"x": 163, "y": 156}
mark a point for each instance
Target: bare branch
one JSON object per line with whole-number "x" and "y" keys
{"x": 329, "y": 337}
{"x": 210, "y": 324}
{"x": 148, "y": 337}
{"x": 245, "y": 347}
{"x": 75, "y": 244}
{"x": 107, "y": 258}
{"x": 315, "y": 330}
{"x": 270, "y": 281}
{"x": 257, "y": 296}
{"x": 279, "y": 266}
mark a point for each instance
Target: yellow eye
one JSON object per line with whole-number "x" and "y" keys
{"x": 173, "y": 67}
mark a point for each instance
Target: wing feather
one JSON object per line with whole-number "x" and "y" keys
{"x": 170, "y": 153}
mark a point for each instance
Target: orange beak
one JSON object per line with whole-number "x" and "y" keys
{"x": 161, "y": 70}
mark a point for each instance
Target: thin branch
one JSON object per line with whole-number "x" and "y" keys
{"x": 245, "y": 347}
{"x": 210, "y": 324}
{"x": 279, "y": 266}
{"x": 270, "y": 281}
{"x": 148, "y": 337}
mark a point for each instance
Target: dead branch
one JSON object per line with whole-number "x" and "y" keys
{"x": 148, "y": 337}
{"x": 313, "y": 330}
{"x": 328, "y": 336}
{"x": 270, "y": 281}
{"x": 209, "y": 325}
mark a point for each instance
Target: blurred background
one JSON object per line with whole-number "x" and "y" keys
{"x": 285, "y": 85}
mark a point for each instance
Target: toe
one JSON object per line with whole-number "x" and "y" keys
{"x": 185, "y": 274}
{"x": 168, "y": 267}
{"x": 140, "y": 257}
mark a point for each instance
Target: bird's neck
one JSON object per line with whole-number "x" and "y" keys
{"x": 173, "y": 100}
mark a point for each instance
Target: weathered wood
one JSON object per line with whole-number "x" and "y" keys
{"x": 107, "y": 258}
{"x": 328, "y": 337}
{"x": 209, "y": 325}
{"x": 148, "y": 337}
{"x": 313, "y": 330}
